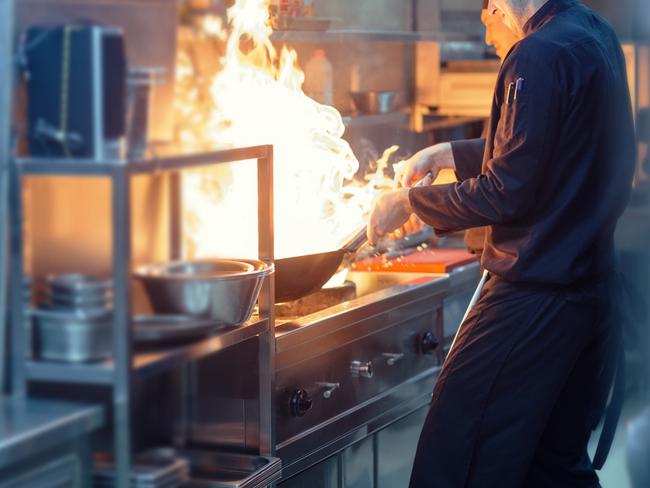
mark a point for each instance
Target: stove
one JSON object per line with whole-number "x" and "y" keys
{"x": 354, "y": 368}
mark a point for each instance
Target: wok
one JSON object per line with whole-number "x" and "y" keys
{"x": 298, "y": 276}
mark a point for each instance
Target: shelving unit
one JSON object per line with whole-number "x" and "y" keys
{"x": 126, "y": 365}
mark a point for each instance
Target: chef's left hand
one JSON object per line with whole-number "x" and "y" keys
{"x": 391, "y": 211}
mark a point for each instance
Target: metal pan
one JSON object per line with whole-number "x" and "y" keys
{"x": 299, "y": 276}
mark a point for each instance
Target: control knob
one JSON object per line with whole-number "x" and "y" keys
{"x": 428, "y": 343}
{"x": 300, "y": 403}
{"x": 362, "y": 370}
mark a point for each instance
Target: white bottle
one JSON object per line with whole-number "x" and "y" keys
{"x": 319, "y": 83}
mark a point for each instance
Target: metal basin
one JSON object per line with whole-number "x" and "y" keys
{"x": 221, "y": 290}
{"x": 375, "y": 102}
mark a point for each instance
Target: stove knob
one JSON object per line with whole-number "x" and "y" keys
{"x": 300, "y": 403}
{"x": 362, "y": 370}
{"x": 428, "y": 343}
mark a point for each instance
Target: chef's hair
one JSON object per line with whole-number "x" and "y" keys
{"x": 485, "y": 4}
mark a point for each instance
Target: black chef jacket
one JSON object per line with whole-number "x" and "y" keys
{"x": 559, "y": 158}
{"x": 470, "y": 152}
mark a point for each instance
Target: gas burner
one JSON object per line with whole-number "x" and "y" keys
{"x": 320, "y": 300}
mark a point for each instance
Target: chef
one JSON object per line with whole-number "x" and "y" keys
{"x": 527, "y": 379}
{"x": 502, "y": 38}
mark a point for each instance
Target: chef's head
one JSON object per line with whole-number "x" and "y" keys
{"x": 496, "y": 32}
{"x": 514, "y": 13}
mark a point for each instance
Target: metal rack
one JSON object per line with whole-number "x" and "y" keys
{"x": 120, "y": 372}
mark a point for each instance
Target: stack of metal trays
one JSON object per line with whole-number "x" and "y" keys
{"x": 73, "y": 321}
{"x": 157, "y": 468}
{"x": 211, "y": 469}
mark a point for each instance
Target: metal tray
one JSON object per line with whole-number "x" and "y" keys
{"x": 210, "y": 469}
{"x": 167, "y": 329}
{"x": 155, "y": 468}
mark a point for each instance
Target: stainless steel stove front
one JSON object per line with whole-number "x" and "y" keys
{"x": 353, "y": 369}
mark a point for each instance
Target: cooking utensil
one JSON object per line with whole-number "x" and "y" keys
{"x": 224, "y": 291}
{"x": 298, "y": 276}
{"x": 375, "y": 102}
{"x": 72, "y": 336}
{"x": 167, "y": 329}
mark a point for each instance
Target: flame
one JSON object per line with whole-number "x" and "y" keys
{"x": 256, "y": 98}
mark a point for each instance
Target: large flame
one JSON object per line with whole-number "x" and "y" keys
{"x": 256, "y": 98}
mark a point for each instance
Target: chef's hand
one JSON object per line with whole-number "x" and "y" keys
{"x": 391, "y": 211}
{"x": 430, "y": 160}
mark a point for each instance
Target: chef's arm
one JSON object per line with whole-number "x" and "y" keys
{"x": 507, "y": 188}
{"x": 468, "y": 157}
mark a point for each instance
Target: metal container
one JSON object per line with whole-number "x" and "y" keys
{"x": 72, "y": 336}
{"x": 375, "y": 102}
{"x": 222, "y": 290}
{"x": 78, "y": 284}
{"x": 140, "y": 84}
{"x": 78, "y": 302}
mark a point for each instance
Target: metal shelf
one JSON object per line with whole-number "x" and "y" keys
{"x": 391, "y": 118}
{"x": 155, "y": 164}
{"x": 152, "y": 362}
{"x": 145, "y": 363}
{"x": 120, "y": 373}
{"x": 86, "y": 373}
{"x": 368, "y": 36}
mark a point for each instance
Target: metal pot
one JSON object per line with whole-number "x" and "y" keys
{"x": 222, "y": 290}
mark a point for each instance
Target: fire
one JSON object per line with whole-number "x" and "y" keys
{"x": 256, "y": 98}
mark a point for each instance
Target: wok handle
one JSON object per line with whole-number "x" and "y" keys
{"x": 357, "y": 241}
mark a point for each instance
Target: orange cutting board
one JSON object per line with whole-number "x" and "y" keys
{"x": 425, "y": 261}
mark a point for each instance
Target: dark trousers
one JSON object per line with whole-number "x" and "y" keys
{"x": 521, "y": 392}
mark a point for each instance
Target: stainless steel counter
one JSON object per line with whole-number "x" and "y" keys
{"x": 30, "y": 426}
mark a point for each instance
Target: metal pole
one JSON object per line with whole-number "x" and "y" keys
{"x": 175, "y": 216}
{"x": 6, "y": 92}
{"x": 266, "y": 358}
{"x": 122, "y": 353}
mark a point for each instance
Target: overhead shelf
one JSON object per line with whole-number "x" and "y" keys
{"x": 155, "y": 164}
{"x": 145, "y": 363}
{"x": 369, "y": 36}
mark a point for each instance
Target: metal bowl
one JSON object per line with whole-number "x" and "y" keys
{"x": 222, "y": 290}
{"x": 375, "y": 102}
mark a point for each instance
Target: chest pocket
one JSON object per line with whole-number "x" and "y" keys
{"x": 512, "y": 122}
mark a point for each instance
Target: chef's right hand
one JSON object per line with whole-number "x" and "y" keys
{"x": 430, "y": 160}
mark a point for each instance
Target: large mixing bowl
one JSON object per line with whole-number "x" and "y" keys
{"x": 217, "y": 289}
